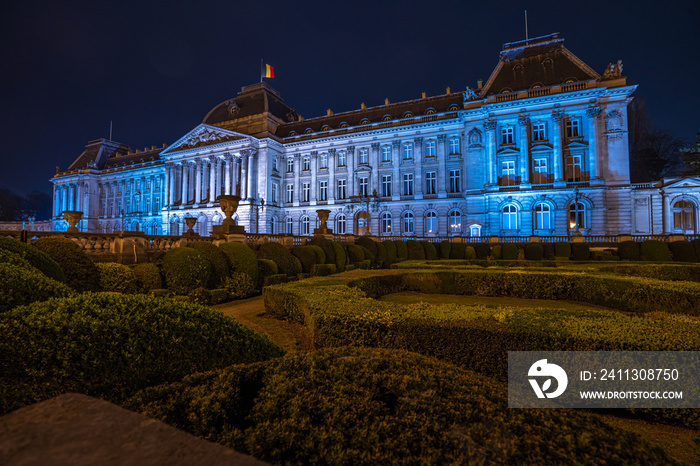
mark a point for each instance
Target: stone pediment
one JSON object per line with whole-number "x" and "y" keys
{"x": 683, "y": 183}
{"x": 203, "y": 135}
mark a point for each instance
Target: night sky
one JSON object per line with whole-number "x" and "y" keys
{"x": 156, "y": 69}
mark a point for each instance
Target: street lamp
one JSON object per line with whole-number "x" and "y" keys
{"x": 257, "y": 208}
{"x": 366, "y": 199}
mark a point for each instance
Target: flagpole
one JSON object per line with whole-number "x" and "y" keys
{"x": 261, "y": 70}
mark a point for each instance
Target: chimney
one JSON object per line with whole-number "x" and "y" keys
{"x": 448, "y": 90}
{"x": 164, "y": 146}
{"x": 363, "y": 106}
{"x": 329, "y": 112}
{"x": 422, "y": 95}
{"x": 479, "y": 84}
{"x": 153, "y": 147}
{"x": 386, "y": 101}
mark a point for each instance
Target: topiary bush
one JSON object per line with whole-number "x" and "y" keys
{"x": 111, "y": 346}
{"x": 280, "y": 255}
{"x": 185, "y": 269}
{"x": 241, "y": 259}
{"x": 368, "y": 243}
{"x": 218, "y": 260}
{"x": 9, "y": 257}
{"x": 266, "y": 268}
{"x": 496, "y": 251}
{"x": 355, "y": 253}
{"x": 445, "y": 249}
{"x": 80, "y": 271}
{"x": 652, "y": 250}
{"x": 482, "y": 250}
{"x": 469, "y": 253}
{"x": 117, "y": 278}
{"x": 429, "y": 250}
{"x": 381, "y": 256}
{"x": 696, "y": 246}
{"x": 401, "y": 250}
{"x": 306, "y": 256}
{"x": 534, "y": 252}
{"x": 327, "y": 247}
{"x": 415, "y": 250}
{"x": 42, "y": 261}
{"x": 24, "y": 284}
{"x": 341, "y": 257}
{"x": 369, "y": 256}
{"x": 580, "y": 252}
{"x": 548, "y": 251}
{"x": 322, "y": 270}
{"x": 628, "y": 251}
{"x": 148, "y": 277}
{"x": 239, "y": 285}
{"x": 682, "y": 251}
{"x": 509, "y": 251}
{"x": 562, "y": 249}
{"x": 391, "y": 258}
{"x": 320, "y": 255}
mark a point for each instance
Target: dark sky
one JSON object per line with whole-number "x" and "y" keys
{"x": 157, "y": 68}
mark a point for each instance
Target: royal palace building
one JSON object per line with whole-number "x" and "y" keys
{"x": 541, "y": 148}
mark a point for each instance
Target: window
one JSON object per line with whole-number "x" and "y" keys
{"x": 342, "y": 189}
{"x": 455, "y": 221}
{"x": 305, "y": 226}
{"x": 430, "y": 149}
{"x": 684, "y": 217}
{"x": 538, "y": 131}
{"x": 290, "y": 193}
{"x": 386, "y": 154}
{"x": 577, "y": 215}
{"x": 454, "y": 146}
{"x": 289, "y": 225}
{"x": 408, "y": 184}
{"x": 364, "y": 191}
{"x": 306, "y": 164}
{"x": 341, "y": 159}
{"x": 386, "y": 223}
{"x": 542, "y": 217}
{"x": 455, "y": 181}
{"x": 323, "y": 161}
{"x": 323, "y": 190}
{"x": 540, "y": 171}
{"x": 274, "y": 193}
{"x": 290, "y": 165}
{"x": 340, "y": 224}
{"x": 510, "y": 217}
{"x": 364, "y": 156}
{"x": 573, "y": 168}
{"x": 157, "y": 204}
{"x": 430, "y": 182}
{"x": 408, "y": 151}
{"x": 408, "y": 222}
{"x": 148, "y": 205}
{"x": 573, "y": 128}
{"x": 386, "y": 185}
{"x": 305, "y": 189}
{"x": 508, "y": 173}
{"x": 431, "y": 222}
{"x": 507, "y": 135}
{"x": 273, "y": 226}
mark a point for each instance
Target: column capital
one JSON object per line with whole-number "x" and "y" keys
{"x": 594, "y": 112}
{"x": 557, "y": 116}
{"x": 351, "y": 149}
{"x": 375, "y": 145}
{"x": 490, "y": 125}
{"x": 331, "y": 151}
{"x": 313, "y": 153}
{"x": 523, "y": 120}
{"x": 418, "y": 141}
{"x": 396, "y": 144}
{"x": 442, "y": 137}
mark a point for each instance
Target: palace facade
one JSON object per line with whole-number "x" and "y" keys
{"x": 541, "y": 148}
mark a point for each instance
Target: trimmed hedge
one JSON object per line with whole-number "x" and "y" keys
{"x": 117, "y": 278}
{"x": 239, "y": 285}
{"x": 580, "y": 252}
{"x": 652, "y": 250}
{"x": 381, "y": 256}
{"x": 548, "y": 251}
{"x": 355, "y": 253}
{"x": 275, "y": 279}
{"x": 218, "y": 259}
{"x": 458, "y": 251}
{"x": 628, "y": 251}
{"x": 496, "y": 251}
{"x": 241, "y": 259}
{"x": 562, "y": 249}
{"x": 266, "y": 268}
{"x": 509, "y": 251}
{"x": 534, "y": 252}
{"x": 327, "y": 247}
{"x": 469, "y": 253}
{"x": 307, "y": 256}
{"x": 390, "y": 252}
{"x": 185, "y": 269}
{"x": 42, "y": 261}
{"x": 148, "y": 277}
{"x": 445, "y": 248}
{"x": 373, "y": 406}
{"x": 341, "y": 257}
{"x": 111, "y": 346}
{"x": 429, "y": 250}
{"x": 322, "y": 270}
{"x": 80, "y": 271}
{"x": 25, "y": 284}
{"x": 415, "y": 250}
{"x": 369, "y": 256}
{"x": 368, "y": 243}
{"x": 482, "y": 250}
{"x": 682, "y": 251}
{"x": 401, "y": 250}
{"x": 286, "y": 263}
{"x": 9, "y": 257}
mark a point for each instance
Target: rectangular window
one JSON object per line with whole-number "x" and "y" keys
{"x": 305, "y": 191}
{"x": 364, "y": 156}
{"x": 430, "y": 149}
{"x": 323, "y": 190}
{"x": 148, "y": 205}
{"x": 306, "y": 164}
{"x": 455, "y": 181}
{"x": 290, "y": 165}
{"x": 364, "y": 187}
{"x": 323, "y": 161}
{"x": 540, "y": 171}
{"x": 507, "y": 135}
{"x": 341, "y": 159}
{"x": 573, "y": 128}
{"x": 408, "y": 151}
{"x": 430, "y": 182}
{"x": 538, "y": 131}
{"x": 157, "y": 204}
{"x": 290, "y": 193}
{"x": 274, "y": 193}
{"x": 508, "y": 173}
{"x": 342, "y": 189}
{"x": 386, "y": 185}
{"x": 573, "y": 168}
{"x": 454, "y": 146}
{"x": 408, "y": 184}
{"x": 386, "y": 154}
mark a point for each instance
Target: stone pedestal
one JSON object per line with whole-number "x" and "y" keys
{"x": 190, "y": 221}
{"x": 72, "y": 217}
{"x": 229, "y": 205}
{"x": 323, "y": 229}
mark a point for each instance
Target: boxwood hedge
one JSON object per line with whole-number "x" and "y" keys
{"x": 401, "y": 250}
{"x": 118, "y": 278}
{"x": 341, "y": 257}
{"x": 42, "y": 261}
{"x": 80, "y": 271}
{"x": 185, "y": 269}
{"x": 218, "y": 259}
{"x": 241, "y": 259}
{"x": 25, "y": 284}
{"x": 280, "y": 255}
{"x": 148, "y": 276}
{"x": 327, "y": 247}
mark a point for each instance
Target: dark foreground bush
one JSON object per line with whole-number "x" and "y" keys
{"x": 382, "y": 256}
{"x": 355, "y": 253}
{"x": 628, "y": 251}
{"x": 509, "y": 251}
{"x": 482, "y": 250}
{"x": 117, "y": 278}
{"x": 80, "y": 271}
{"x": 35, "y": 257}
{"x": 327, "y": 247}
{"x": 148, "y": 277}
{"x": 652, "y": 250}
{"x": 372, "y": 406}
{"x": 218, "y": 260}
{"x": 280, "y": 255}
{"x": 341, "y": 257}
{"x": 415, "y": 250}
{"x": 239, "y": 285}
{"x": 401, "y": 250}
{"x": 21, "y": 285}
{"x": 580, "y": 252}
{"x": 534, "y": 252}
{"x": 307, "y": 256}
{"x": 429, "y": 250}
{"x": 682, "y": 251}
{"x": 185, "y": 269}
{"x": 368, "y": 243}
{"x": 562, "y": 249}
{"x": 241, "y": 259}
{"x": 111, "y": 346}
{"x": 445, "y": 248}
{"x": 266, "y": 268}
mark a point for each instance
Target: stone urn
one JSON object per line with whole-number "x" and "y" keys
{"x": 72, "y": 217}
{"x": 229, "y": 205}
{"x": 323, "y": 222}
{"x": 190, "y": 221}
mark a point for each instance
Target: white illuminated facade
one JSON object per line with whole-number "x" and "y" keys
{"x": 540, "y": 149}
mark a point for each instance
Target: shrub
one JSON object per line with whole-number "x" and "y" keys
{"x": 307, "y": 257}
{"x": 42, "y": 261}
{"x": 239, "y": 285}
{"x": 322, "y": 270}
{"x": 341, "y": 257}
{"x": 116, "y": 278}
{"x": 482, "y": 250}
{"x": 401, "y": 250}
{"x": 580, "y": 252}
{"x": 185, "y": 269}
{"x": 266, "y": 268}
{"x": 80, "y": 271}
{"x": 327, "y": 247}
{"x": 218, "y": 260}
{"x": 368, "y": 243}
{"x": 469, "y": 253}
{"x": 391, "y": 258}
{"x": 496, "y": 251}
{"x": 374, "y": 406}
{"x": 458, "y": 251}
{"x": 682, "y": 251}
{"x": 429, "y": 250}
{"x": 696, "y": 246}
{"x": 548, "y": 251}
{"x": 199, "y": 296}
{"x": 381, "y": 256}
{"x": 355, "y": 253}
{"x": 350, "y": 267}
{"x": 280, "y": 255}
{"x": 111, "y": 346}
{"x": 25, "y": 284}
{"x": 652, "y": 250}
{"x": 415, "y": 250}
{"x": 509, "y": 251}
{"x": 275, "y": 279}
{"x": 628, "y": 251}
{"x": 219, "y": 295}
{"x": 534, "y": 252}
{"x": 562, "y": 249}
{"x": 445, "y": 248}
{"x": 9, "y": 257}
{"x": 241, "y": 259}
{"x": 364, "y": 265}
{"x": 320, "y": 255}
{"x": 148, "y": 276}
{"x": 369, "y": 256}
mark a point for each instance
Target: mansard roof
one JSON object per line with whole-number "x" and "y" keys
{"x": 103, "y": 154}
{"x": 539, "y": 62}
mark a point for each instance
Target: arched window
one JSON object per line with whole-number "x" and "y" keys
{"x": 431, "y": 222}
{"x": 577, "y": 216}
{"x": 684, "y": 217}
{"x": 304, "y": 223}
{"x": 510, "y": 217}
{"x": 543, "y": 219}
{"x": 273, "y": 225}
{"x": 340, "y": 224}
{"x": 408, "y": 222}
{"x": 174, "y": 227}
{"x": 455, "y": 221}
{"x": 290, "y": 225}
{"x": 386, "y": 223}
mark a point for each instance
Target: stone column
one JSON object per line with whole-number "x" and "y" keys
{"x": 442, "y": 173}
{"x": 297, "y": 185}
{"x": 212, "y": 179}
{"x": 227, "y": 171}
{"x": 350, "y": 159}
{"x": 557, "y": 152}
{"x": 185, "y": 182}
{"x": 219, "y": 178}
{"x": 237, "y": 176}
{"x": 314, "y": 177}
{"x": 593, "y": 115}
{"x": 524, "y": 122}
{"x": 171, "y": 184}
{"x": 374, "y": 181}
{"x": 198, "y": 181}
{"x": 252, "y": 163}
{"x": 490, "y": 129}
{"x": 396, "y": 174}
{"x": 244, "y": 174}
{"x": 418, "y": 176}
{"x": 331, "y": 176}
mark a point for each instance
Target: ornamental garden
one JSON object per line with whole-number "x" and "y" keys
{"x": 410, "y": 344}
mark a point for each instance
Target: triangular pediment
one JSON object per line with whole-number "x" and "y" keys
{"x": 203, "y": 135}
{"x": 683, "y": 183}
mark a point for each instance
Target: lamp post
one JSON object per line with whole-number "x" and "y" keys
{"x": 366, "y": 200}
{"x": 257, "y": 208}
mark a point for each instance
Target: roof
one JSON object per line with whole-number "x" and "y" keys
{"x": 103, "y": 154}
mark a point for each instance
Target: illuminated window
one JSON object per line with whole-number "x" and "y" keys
{"x": 510, "y": 217}
{"x": 430, "y": 149}
{"x": 573, "y": 128}
{"x": 290, "y": 193}
{"x": 431, "y": 222}
{"x": 577, "y": 215}
{"x": 386, "y": 154}
{"x": 408, "y": 222}
{"x": 364, "y": 156}
{"x": 323, "y": 190}
{"x": 289, "y": 224}
{"x": 341, "y": 159}
{"x": 430, "y": 182}
{"x": 540, "y": 171}
{"x": 305, "y": 225}
{"x": 507, "y": 135}
{"x": 454, "y": 146}
{"x": 342, "y": 193}
{"x": 306, "y": 164}
{"x": 542, "y": 217}
{"x": 408, "y": 184}
{"x": 508, "y": 173}
{"x": 408, "y": 151}
{"x": 273, "y": 225}
{"x": 538, "y": 131}
{"x": 290, "y": 165}
{"x": 305, "y": 190}
{"x": 684, "y": 217}
{"x": 573, "y": 168}
{"x": 455, "y": 181}
{"x": 274, "y": 193}
{"x": 364, "y": 186}
{"x": 386, "y": 185}
{"x": 340, "y": 224}
{"x": 386, "y": 223}
{"x": 455, "y": 221}
{"x": 323, "y": 161}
